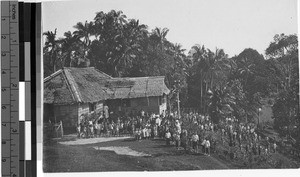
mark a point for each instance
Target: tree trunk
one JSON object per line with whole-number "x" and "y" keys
{"x": 201, "y": 80}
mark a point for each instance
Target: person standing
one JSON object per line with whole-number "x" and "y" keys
{"x": 203, "y": 146}
{"x": 97, "y": 128}
{"x": 177, "y": 140}
{"x": 168, "y": 138}
{"x": 106, "y": 113}
{"x": 195, "y": 139}
{"x": 275, "y": 147}
{"x": 207, "y": 147}
{"x": 240, "y": 138}
{"x": 184, "y": 139}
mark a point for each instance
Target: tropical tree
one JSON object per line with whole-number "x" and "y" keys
{"x": 198, "y": 54}
{"x": 283, "y": 52}
{"x": 84, "y": 32}
{"x": 51, "y": 52}
{"x": 159, "y": 37}
{"x": 220, "y": 103}
{"x": 69, "y": 45}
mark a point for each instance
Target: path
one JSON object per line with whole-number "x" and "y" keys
{"x": 93, "y": 140}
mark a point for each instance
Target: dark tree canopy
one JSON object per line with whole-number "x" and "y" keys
{"x": 207, "y": 80}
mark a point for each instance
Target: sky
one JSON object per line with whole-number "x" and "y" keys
{"x": 232, "y": 25}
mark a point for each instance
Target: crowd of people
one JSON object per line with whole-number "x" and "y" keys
{"x": 246, "y": 138}
{"x": 193, "y": 131}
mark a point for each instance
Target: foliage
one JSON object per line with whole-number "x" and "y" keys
{"x": 283, "y": 52}
{"x": 207, "y": 80}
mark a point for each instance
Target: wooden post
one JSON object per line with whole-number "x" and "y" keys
{"x": 62, "y": 131}
{"x": 178, "y": 105}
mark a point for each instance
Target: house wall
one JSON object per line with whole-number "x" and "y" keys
{"x": 150, "y": 104}
{"x": 83, "y": 108}
{"x": 68, "y": 114}
{"x": 99, "y": 106}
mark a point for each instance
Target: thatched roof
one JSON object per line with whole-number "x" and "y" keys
{"x": 74, "y": 85}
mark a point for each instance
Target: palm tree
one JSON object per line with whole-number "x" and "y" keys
{"x": 68, "y": 44}
{"x": 159, "y": 36}
{"x": 220, "y": 103}
{"x": 200, "y": 66}
{"x": 51, "y": 49}
{"x": 218, "y": 64}
{"x": 84, "y": 32}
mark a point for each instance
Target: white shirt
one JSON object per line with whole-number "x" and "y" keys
{"x": 158, "y": 121}
{"x": 207, "y": 143}
{"x": 195, "y": 138}
{"x": 168, "y": 135}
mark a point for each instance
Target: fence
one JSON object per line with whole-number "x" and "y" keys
{"x": 53, "y": 130}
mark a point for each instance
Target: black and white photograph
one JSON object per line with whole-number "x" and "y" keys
{"x": 170, "y": 85}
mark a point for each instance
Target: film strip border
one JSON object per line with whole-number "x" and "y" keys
{"x": 28, "y": 98}
{"x": 29, "y": 85}
{"x": 9, "y": 89}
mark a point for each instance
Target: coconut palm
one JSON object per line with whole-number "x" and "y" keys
{"x": 200, "y": 66}
{"x": 159, "y": 37}
{"x": 51, "y": 50}
{"x": 68, "y": 44}
{"x": 84, "y": 32}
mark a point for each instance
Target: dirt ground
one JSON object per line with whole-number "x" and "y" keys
{"x": 59, "y": 157}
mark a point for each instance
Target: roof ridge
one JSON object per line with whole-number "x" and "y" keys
{"x": 52, "y": 75}
{"x": 69, "y": 86}
{"x": 78, "y": 67}
{"x": 149, "y": 77}
{"x": 102, "y": 72}
{"x": 73, "y": 85}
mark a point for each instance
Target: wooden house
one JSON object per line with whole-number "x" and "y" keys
{"x": 71, "y": 92}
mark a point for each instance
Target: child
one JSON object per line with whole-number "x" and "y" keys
{"x": 275, "y": 147}
{"x": 155, "y": 131}
{"x": 91, "y": 129}
{"x": 168, "y": 137}
{"x": 207, "y": 147}
{"x": 203, "y": 146}
{"x": 97, "y": 127}
{"x": 78, "y": 130}
{"x": 144, "y": 130}
{"x": 137, "y": 134}
{"x": 184, "y": 139}
{"x": 177, "y": 140}
{"x": 195, "y": 139}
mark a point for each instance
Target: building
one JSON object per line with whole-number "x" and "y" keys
{"x": 71, "y": 92}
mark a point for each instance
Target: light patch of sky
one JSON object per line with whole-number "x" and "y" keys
{"x": 232, "y": 25}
